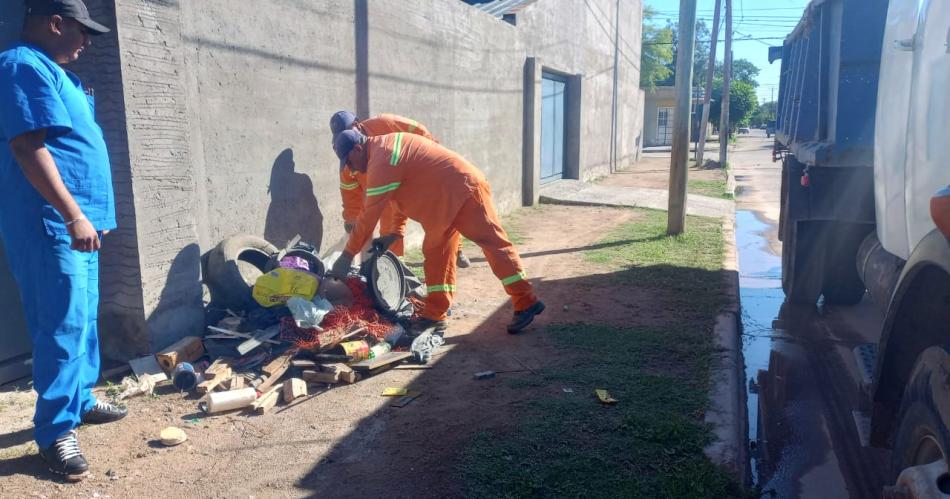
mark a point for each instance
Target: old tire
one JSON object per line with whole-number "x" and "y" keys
{"x": 921, "y": 437}
{"x": 803, "y": 262}
{"x": 842, "y": 283}
{"x": 233, "y": 267}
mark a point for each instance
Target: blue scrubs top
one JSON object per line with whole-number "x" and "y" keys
{"x": 36, "y": 93}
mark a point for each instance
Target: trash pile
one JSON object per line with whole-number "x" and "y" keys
{"x": 289, "y": 328}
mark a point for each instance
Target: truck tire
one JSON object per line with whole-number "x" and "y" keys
{"x": 842, "y": 283}
{"x": 233, "y": 267}
{"x": 803, "y": 262}
{"x": 921, "y": 437}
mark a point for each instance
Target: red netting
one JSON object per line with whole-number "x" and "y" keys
{"x": 339, "y": 321}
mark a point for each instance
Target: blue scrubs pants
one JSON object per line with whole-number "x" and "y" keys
{"x": 60, "y": 292}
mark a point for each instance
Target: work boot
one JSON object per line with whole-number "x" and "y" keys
{"x": 65, "y": 459}
{"x": 421, "y": 325}
{"x": 104, "y": 412}
{"x": 462, "y": 261}
{"x": 525, "y": 317}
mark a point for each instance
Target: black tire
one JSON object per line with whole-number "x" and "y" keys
{"x": 803, "y": 262}
{"x": 920, "y": 437}
{"x": 233, "y": 267}
{"x": 842, "y": 283}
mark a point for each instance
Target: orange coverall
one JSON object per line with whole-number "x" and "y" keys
{"x": 353, "y": 183}
{"x": 448, "y": 196}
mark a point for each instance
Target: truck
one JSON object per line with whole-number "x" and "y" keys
{"x": 863, "y": 133}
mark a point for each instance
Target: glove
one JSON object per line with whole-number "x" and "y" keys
{"x": 342, "y": 265}
{"x": 382, "y": 243}
{"x": 348, "y": 227}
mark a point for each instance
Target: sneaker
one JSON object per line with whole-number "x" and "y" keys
{"x": 462, "y": 261}
{"x": 65, "y": 459}
{"x": 522, "y": 319}
{"x": 104, "y": 412}
{"x": 421, "y": 325}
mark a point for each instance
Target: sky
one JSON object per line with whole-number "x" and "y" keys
{"x": 751, "y": 19}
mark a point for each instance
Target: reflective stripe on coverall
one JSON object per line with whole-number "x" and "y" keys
{"x": 449, "y": 197}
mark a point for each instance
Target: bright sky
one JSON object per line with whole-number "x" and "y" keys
{"x": 771, "y": 19}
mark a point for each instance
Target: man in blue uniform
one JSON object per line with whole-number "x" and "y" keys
{"x": 56, "y": 202}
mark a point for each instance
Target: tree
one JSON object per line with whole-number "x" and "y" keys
{"x": 657, "y": 53}
{"x": 742, "y": 103}
{"x": 764, "y": 113}
{"x": 742, "y": 70}
{"x": 700, "y": 57}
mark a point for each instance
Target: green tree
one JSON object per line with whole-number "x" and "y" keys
{"x": 742, "y": 70}
{"x": 657, "y": 53}
{"x": 700, "y": 55}
{"x": 764, "y": 113}
{"x": 742, "y": 103}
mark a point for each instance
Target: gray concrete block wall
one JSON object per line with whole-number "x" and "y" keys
{"x": 226, "y": 108}
{"x": 163, "y": 177}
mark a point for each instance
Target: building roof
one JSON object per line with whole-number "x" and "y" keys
{"x": 499, "y": 8}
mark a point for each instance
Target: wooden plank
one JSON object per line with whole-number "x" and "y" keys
{"x": 187, "y": 349}
{"x": 280, "y": 364}
{"x": 259, "y": 338}
{"x": 381, "y": 361}
{"x": 148, "y": 367}
{"x": 343, "y": 372}
{"x": 236, "y": 382}
{"x": 236, "y": 334}
{"x": 320, "y": 377}
{"x": 303, "y": 364}
{"x": 267, "y": 401}
{"x": 217, "y": 367}
{"x": 220, "y": 377}
{"x": 294, "y": 388}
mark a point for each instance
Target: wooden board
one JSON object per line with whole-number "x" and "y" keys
{"x": 220, "y": 377}
{"x": 267, "y": 401}
{"x": 273, "y": 391}
{"x": 381, "y": 361}
{"x": 294, "y": 388}
{"x": 187, "y": 349}
{"x": 259, "y": 338}
{"x": 280, "y": 363}
{"x": 343, "y": 372}
{"x": 148, "y": 367}
{"x": 320, "y": 377}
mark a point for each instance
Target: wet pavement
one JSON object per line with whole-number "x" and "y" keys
{"x": 803, "y": 383}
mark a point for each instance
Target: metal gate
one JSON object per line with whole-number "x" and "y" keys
{"x": 552, "y": 127}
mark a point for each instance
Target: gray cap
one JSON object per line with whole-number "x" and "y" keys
{"x": 74, "y": 9}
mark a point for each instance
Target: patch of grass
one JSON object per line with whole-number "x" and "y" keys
{"x": 711, "y": 188}
{"x": 684, "y": 270}
{"x": 650, "y": 444}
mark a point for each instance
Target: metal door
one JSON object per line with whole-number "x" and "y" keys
{"x": 552, "y": 127}
{"x": 664, "y": 126}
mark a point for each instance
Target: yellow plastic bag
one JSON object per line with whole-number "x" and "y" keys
{"x": 274, "y": 288}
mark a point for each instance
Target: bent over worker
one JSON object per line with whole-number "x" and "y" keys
{"x": 353, "y": 183}
{"x": 449, "y": 197}
{"x": 56, "y": 202}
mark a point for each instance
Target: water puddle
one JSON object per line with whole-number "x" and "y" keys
{"x": 787, "y": 434}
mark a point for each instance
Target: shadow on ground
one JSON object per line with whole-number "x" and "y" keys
{"x": 436, "y": 445}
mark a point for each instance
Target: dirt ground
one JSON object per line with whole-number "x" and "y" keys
{"x": 653, "y": 171}
{"x": 348, "y": 441}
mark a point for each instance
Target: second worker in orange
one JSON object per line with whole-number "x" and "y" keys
{"x": 449, "y": 197}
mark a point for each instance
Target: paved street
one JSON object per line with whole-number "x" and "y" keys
{"x": 800, "y": 369}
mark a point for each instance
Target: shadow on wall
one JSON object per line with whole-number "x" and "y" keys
{"x": 293, "y": 206}
{"x": 180, "y": 310}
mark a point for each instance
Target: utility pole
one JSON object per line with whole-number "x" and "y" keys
{"x": 710, "y": 75}
{"x": 676, "y": 220}
{"x": 726, "y": 87}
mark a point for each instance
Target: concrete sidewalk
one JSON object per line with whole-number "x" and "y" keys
{"x": 575, "y": 192}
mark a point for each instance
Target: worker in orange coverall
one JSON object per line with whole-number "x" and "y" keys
{"x": 449, "y": 197}
{"x": 353, "y": 183}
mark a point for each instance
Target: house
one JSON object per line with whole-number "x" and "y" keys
{"x": 658, "y": 108}
{"x": 216, "y": 115}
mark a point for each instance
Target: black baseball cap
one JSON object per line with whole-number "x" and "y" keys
{"x": 74, "y": 9}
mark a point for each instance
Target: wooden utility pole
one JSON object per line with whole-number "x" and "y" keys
{"x": 710, "y": 75}
{"x": 676, "y": 221}
{"x": 726, "y": 87}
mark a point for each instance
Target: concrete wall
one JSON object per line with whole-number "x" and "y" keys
{"x": 217, "y": 117}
